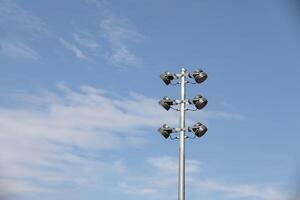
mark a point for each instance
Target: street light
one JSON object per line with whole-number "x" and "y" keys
{"x": 199, "y": 101}
{"x": 165, "y": 130}
{"x": 166, "y": 103}
{"x": 198, "y": 129}
{"x": 167, "y": 77}
{"x": 199, "y": 75}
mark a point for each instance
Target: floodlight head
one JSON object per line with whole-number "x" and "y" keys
{"x": 199, "y": 101}
{"x": 165, "y": 130}
{"x": 166, "y": 103}
{"x": 167, "y": 77}
{"x": 199, "y": 129}
{"x": 199, "y": 76}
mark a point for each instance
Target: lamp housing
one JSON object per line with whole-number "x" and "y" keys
{"x": 167, "y": 77}
{"x": 199, "y": 76}
{"x": 199, "y": 101}
{"x": 166, "y": 103}
{"x": 199, "y": 129}
{"x": 165, "y": 130}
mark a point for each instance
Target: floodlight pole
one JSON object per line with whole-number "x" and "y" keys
{"x": 181, "y": 178}
{"x": 199, "y": 129}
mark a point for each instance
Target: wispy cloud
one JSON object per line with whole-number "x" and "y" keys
{"x": 18, "y": 50}
{"x": 224, "y": 115}
{"x": 168, "y": 164}
{"x": 72, "y": 47}
{"x": 17, "y": 26}
{"x": 122, "y": 56}
{"x": 37, "y": 140}
{"x": 119, "y": 33}
{"x": 16, "y": 19}
{"x": 51, "y": 138}
{"x": 157, "y": 183}
{"x": 119, "y": 30}
{"x": 98, "y": 3}
{"x": 240, "y": 191}
{"x": 116, "y": 37}
{"x": 85, "y": 42}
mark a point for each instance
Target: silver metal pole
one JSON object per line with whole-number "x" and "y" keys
{"x": 181, "y": 185}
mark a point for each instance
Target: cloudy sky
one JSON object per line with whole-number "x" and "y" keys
{"x": 80, "y": 84}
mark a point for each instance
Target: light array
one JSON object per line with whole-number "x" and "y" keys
{"x": 198, "y": 101}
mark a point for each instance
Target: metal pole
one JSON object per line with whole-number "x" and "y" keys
{"x": 181, "y": 186}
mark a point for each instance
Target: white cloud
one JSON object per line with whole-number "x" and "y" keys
{"x": 97, "y": 3}
{"x": 85, "y": 42}
{"x": 19, "y": 186}
{"x": 73, "y": 48}
{"x": 162, "y": 179}
{"x": 54, "y": 138}
{"x": 119, "y": 33}
{"x": 18, "y": 50}
{"x": 14, "y": 18}
{"x": 122, "y": 56}
{"x": 42, "y": 133}
{"x": 158, "y": 183}
{"x": 19, "y": 27}
{"x": 137, "y": 190}
{"x": 238, "y": 191}
{"x": 224, "y": 115}
{"x": 167, "y": 164}
{"x": 117, "y": 37}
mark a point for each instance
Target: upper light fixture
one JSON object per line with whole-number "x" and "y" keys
{"x": 167, "y": 77}
{"x": 199, "y": 101}
{"x": 199, "y": 76}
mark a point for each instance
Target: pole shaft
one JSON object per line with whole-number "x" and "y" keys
{"x": 181, "y": 185}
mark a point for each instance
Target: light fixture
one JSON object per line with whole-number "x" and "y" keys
{"x": 167, "y": 77}
{"x": 199, "y": 129}
{"x": 199, "y": 76}
{"x": 166, "y": 103}
{"x": 199, "y": 101}
{"x": 165, "y": 130}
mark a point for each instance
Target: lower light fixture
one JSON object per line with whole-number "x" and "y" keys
{"x": 165, "y": 130}
{"x": 199, "y": 129}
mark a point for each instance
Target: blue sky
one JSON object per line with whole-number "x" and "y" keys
{"x": 80, "y": 84}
